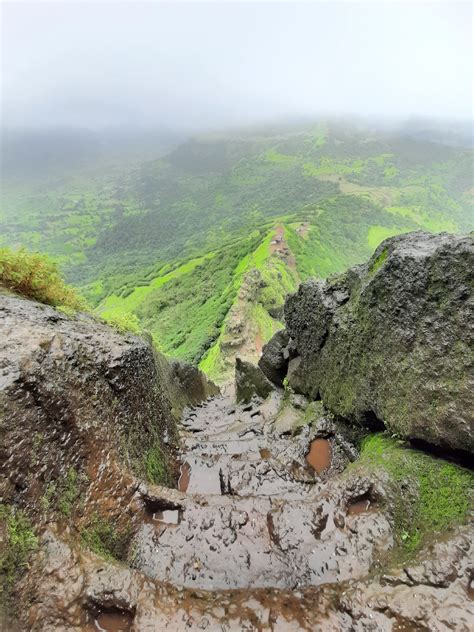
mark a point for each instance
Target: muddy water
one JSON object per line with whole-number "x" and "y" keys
{"x": 184, "y": 478}
{"x": 319, "y": 455}
{"x": 358, "y": 507}
{"x": 111, "y": 622}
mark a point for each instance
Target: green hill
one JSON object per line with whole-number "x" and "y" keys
{"x": 184, "y": 242}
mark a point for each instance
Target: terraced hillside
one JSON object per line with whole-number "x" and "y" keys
{"x": 183, "y": 244}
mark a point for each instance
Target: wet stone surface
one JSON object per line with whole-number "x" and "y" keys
{"x": 255, "y": 512}
{"x": 255, "y": 539}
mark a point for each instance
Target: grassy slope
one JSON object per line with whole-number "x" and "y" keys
{"x": 172, "y": 241}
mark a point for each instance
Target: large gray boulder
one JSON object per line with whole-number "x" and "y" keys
{"x": 389, "y": 343}
{"x": 275, "y": 357}
{"x": 78, "y": 397}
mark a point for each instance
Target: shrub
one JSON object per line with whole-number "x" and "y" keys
{"x": 124, "y": 322}
{"x": 36, "y": 276}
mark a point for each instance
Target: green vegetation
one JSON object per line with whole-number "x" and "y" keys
{"x": 17, "y": 542}
{"x": 167, "y": 244}
{"x": 103, "y": 537}
{"x": 156, "y": 467}
{"x": 64, "y": 494}
{"x": 442, "y": 491}
{"x": 124, "y": 322}
{"x": 378, "y": 262}
{"x": 36, "y": 276}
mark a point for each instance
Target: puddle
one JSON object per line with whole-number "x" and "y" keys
{"x": 319, "y": 455}
{"x": 360, "y": 505}
{"x": 265, "y": 454}
{"x": 160, "y": 510}
{"x": 185, "y": 475}
{"x": 118, "y": 621}
{"x": 170, "y": 516}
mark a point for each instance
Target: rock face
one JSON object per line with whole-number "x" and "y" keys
{"x": 387, "y": 343}
{"x": 80, "y": 406}
{"x": 275, "y": 357}
{"x": 249, "y": 381}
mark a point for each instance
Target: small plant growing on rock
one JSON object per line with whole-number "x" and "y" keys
{"x": 18, "y": 542}
{"x": 36, "y": 276}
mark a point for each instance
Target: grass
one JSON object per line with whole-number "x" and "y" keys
{"x": 156, "y": 467}
{"x": 443, "y": 490}
{"x": 104, "y": 538}
{"x": 379, "y": 261}
{"x": 19, "y": 541}
{"x": 36, "y": 276}
{"x": 124, "y": 323}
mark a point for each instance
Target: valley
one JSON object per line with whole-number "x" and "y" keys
{"x": 180, "y": 246}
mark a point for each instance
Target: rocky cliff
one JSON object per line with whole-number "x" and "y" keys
{"x": 84, "y": 410}
{"x": 389, "y": 343}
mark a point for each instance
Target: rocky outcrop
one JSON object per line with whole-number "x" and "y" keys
{"x": 83, "y": 408}
{"x": 188, "y": 384}
{"x": 249, "y": 381}
{"x": 275, "y": 357}
{"x": 388, "y": 343}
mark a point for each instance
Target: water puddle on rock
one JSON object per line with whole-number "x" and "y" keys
{"x": 118, "y": 621}
{"x": 319, "y": 455}
{"x": 359, "y": 506}
{"x": 185, "y": 475}
{"x": 170, "y": 516}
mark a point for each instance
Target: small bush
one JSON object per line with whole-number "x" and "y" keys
{"x": 124, "y": 322}
{"x": 36, "y": 276}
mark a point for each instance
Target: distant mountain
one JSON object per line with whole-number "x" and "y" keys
{"x": 184, "y": 240}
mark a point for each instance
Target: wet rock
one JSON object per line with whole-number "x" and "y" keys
{"x": 78, "y": 400}
{"x": 428, "y": 594}
{"x": 387, "y": 343}
{"x": 250, "y": 381}
{"x": 190, "y": 384}
{"x": 273, "y": 361}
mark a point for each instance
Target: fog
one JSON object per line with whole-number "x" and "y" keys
{"x": 200, "y": 65}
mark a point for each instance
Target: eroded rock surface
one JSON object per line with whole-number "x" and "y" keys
{"x": 82, "y": 407}
{"x": 260, "y": 541}
{"x": 388, "y": 342}
{"x": 250, "y": 380}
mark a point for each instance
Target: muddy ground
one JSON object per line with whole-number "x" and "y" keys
{"x": 269, "y": 529}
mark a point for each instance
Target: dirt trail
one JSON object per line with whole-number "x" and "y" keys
{"x": 279, "y": 246}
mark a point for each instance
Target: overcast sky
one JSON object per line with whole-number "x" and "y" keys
{"x": 211, "y": 64}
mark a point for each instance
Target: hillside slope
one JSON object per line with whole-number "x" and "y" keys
{"x": 184, "y": 242}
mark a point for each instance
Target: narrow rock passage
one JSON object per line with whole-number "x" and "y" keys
{"x": 253, "y": 521}
{"x": 258, "y": 542}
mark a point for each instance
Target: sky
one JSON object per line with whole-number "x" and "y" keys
{"x": 200, "y": 65}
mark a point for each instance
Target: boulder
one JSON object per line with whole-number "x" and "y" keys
{"x": 274, "y": 359}
{"x": 82, "y": 404}
{"x": 249, "y": 381}
{"x": 189, "y": 383}
{"x": 388, "y": 343}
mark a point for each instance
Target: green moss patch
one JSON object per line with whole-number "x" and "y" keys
{"x": 156, "y": 465}
{"x": 379, "y": 261}
{"x": 17, "y": 542}
{"x": 104, "y": 538}
{"x": 443, "y": 490}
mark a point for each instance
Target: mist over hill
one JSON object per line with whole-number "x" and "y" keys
{"x": 178, "y": 231}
